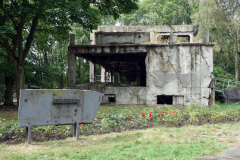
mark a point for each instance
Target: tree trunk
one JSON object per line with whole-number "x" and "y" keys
{"x": 61, "y": 81}
{"x": 9, "y": 86}
{"x": 20, "y": 79}
{"x": 235, "y": 54}
{"x": 46, "y": 64}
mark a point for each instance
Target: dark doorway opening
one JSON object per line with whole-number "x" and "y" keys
{"x": 163, "y": 99}
{"x": 112, "y": 98}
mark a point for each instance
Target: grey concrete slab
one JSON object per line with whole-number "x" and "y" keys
{"x": 232, "y": 154}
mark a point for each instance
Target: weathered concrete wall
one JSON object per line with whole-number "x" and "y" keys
{"x": 126, "y": 95}
{"x": 129, "y": 95}
{"x": 139, "y": 34}
{"x": 103, "y": 38}
{"x": 185, "y": 72}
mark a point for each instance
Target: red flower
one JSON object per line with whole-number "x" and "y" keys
{"x": 150, "y": 112}
{"x": 176, "y": 113}
{"x": 84, "y": 124}
{"x": 155, "y": 106}
{"x": 158, "y": 104}
{"x": 162, "y": 114}
{"x": 150, "y": 115}
{"x": 159, "y": 115}
{"x": 143, "y": 115}
{"x": 79, "y": 124}
{"x": 180, "y": 110}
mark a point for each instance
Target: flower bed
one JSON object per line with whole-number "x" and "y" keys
{"x": 116, "y": 121}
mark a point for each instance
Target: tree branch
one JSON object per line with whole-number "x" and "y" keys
{"x": 20, "y": 38}
{"x": 1, "y": 17}
{"x": 13, "y": 21}
{"x": 9, "y": 51}
{"x": 30, "y": 36}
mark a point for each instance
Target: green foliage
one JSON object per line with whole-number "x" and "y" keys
{"x": 220, "y": 73}
{"x": 222, "y": 24}
{"x": 50, "y": 21}
{"x": 162, "y": 12}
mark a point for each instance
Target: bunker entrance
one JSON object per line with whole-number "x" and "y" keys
{"x": 163, "y": 99}
{"x": 111, "y": 98}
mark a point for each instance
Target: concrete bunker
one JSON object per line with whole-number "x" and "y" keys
{"x": 161, "y": 64}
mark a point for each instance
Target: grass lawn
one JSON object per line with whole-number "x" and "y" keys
{"x": 184, "y": 143}
{"x": 161, "y": 142}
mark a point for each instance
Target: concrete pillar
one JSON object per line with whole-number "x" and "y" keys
{"x": 173, "y": 38}
{"x": 191, "y": 38}
{"x": 108, "y": 76}
{"x": 91, "y": 72}
{"x": 93, "y": 38}
{"x": 119, "y": 78}
{"x": 112, "y": 76}
{"x": 206, "y": 37}
{"x": 103, "y": 79}
{"x": 71, "y": 63}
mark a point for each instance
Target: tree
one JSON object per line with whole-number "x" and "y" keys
{"x": 20, "y": 19}
{"x": 221, "y": 19}
{"x": 159, "y": 12}
{"x": 7, "y": 78}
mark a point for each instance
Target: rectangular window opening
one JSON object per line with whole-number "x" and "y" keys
{"x": 163, "y": 99}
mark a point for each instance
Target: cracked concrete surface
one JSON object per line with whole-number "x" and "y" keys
{"x": 181, "y": 70}
{"x": 184, "y": 72}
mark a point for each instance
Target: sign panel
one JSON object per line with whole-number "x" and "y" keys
{"x": 40, "y": 107}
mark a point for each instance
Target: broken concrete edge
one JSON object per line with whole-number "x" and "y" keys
{"x": 159, "y": 29}
{"x": 145, "y": 45}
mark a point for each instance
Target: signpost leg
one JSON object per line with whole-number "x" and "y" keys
{"x": 74, "y": 129}
{"x": 77, "y": 131}
{"x": 28, "y": 135}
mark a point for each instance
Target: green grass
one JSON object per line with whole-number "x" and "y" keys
{"x": 233, "y": 106}
{"x": 9, "y": 114}
{"x": 183, "y": 143}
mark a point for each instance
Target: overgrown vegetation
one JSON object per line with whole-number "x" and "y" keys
{"x": 122, "y": 119}
{"x": 160, "y": 132}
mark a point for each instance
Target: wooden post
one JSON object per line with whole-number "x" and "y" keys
{"x": 212, "y": 94}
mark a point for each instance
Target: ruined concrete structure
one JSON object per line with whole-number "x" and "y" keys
{"x": 167, "y": 64}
